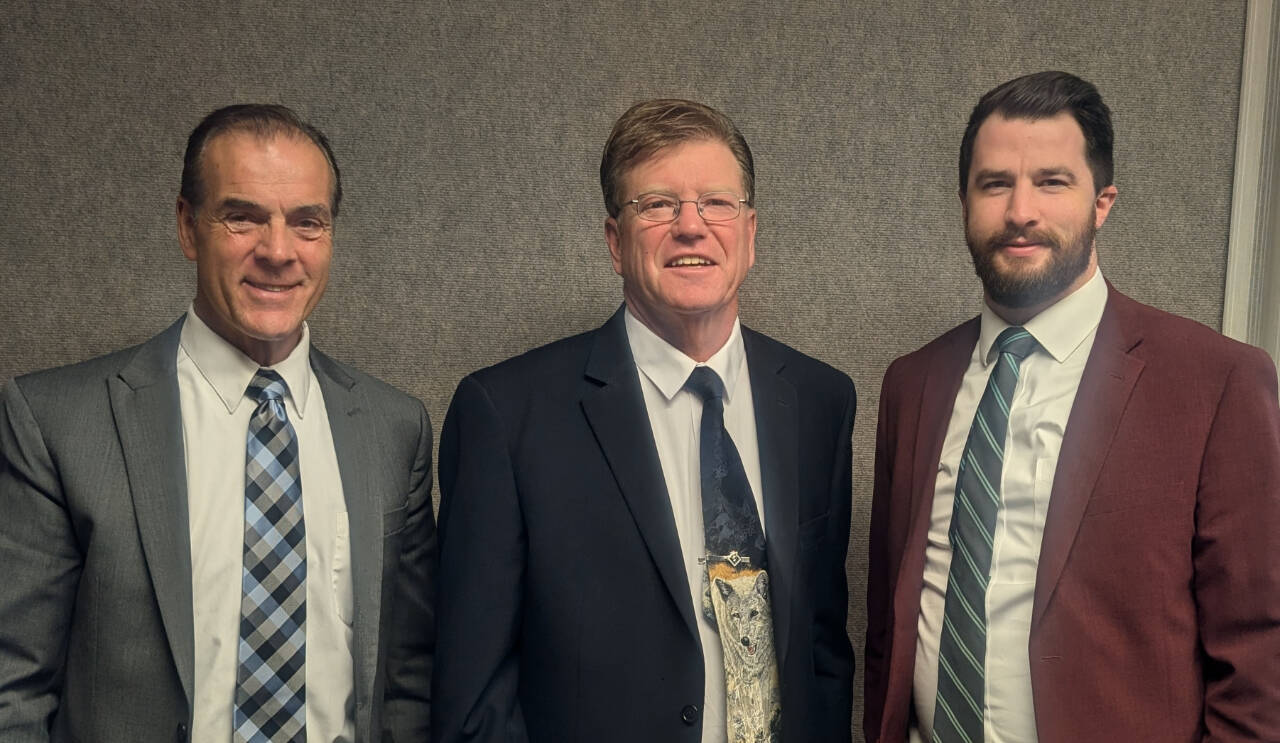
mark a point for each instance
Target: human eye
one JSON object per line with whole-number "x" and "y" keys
{"x": 656, "y": 206}
{"x": 239, "y": 222}
{"x": 309, "y": 222}
{"x": 310, "y": 227}
{"x": 655, "y": 201}
{"x": 718, "y": 206}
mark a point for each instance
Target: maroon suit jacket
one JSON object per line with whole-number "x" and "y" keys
{"x": 1157, "y": 604}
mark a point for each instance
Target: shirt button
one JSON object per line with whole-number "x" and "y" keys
{"x": 689, "y": 714}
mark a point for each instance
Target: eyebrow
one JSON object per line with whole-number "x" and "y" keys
{"x": 311, "y": 210}
{"x": 1060, "y": 170}
{"x": 672, "y": 193}
{"x": 987, "y": 174}
{"x": 307, "y": 210}
{"x": 232, "y": 204}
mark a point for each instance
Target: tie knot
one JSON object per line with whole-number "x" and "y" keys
{"x": 1016, "y": 342}
{"x": 267, "y": 385}
{"x": 705, "y": 383}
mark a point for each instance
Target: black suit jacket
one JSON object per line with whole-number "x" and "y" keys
{"x": 565, "y": 612}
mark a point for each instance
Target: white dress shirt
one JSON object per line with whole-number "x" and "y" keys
{"x": 212, "y": 378}
{"x": 1038, "y": 417}
{"x": 675, "y": 415}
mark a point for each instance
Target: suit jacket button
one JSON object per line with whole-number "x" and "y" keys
{"x": 181, "y": 736}
{"x": 689, "y": 714}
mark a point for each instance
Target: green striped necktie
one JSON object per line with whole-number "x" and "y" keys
{"x": 958, "y": 716}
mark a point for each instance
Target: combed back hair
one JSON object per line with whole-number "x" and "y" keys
{"x": 650, "y": 126}
{"x": 1042, "y": 95}
{"x": 263, "y": 120}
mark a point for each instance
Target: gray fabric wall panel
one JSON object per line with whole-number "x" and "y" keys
{"x": 469, "y": 137}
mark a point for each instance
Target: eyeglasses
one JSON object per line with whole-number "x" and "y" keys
{"x": 720, "y": 206}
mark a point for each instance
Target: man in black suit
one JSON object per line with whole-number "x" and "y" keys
{"x": 583, "y": 597}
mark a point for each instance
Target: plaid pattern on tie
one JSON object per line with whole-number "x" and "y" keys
{"x": 270, "y": 699}
{"x": 959, "y": 712}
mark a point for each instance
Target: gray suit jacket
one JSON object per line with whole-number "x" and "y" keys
{"x": 96, "y": 639}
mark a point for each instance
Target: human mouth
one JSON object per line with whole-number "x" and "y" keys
{"x": 1020, "y": 244}
{"x": 268, "y": 287}
{"x": 688, "y": 260}
{"x": 1021, "y": 248}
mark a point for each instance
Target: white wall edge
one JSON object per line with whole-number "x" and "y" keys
{"x": 1242, "y": 258}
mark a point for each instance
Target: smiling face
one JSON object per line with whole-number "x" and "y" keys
{"x": 681, "y": 278}
{"x": 1031, "y": 212}
{"x": 261, "y": 240}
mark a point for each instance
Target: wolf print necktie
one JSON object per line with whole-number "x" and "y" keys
{"x": 959, "y": 711}
{"x": 736, "y": 584}
{"x": 270, "y": 699}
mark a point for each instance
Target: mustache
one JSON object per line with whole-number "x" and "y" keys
{"x": 1024, "y": 234}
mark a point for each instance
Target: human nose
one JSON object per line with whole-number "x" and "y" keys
{"x": 1021, "y": 211}
{"x": 275, "y": 243}
{"x": 689, "y": 221}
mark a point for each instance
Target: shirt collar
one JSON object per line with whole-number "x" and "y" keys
{"x": 228, "y": 370}
{"x": 1060, "y": 328}
{"x": 669, "y": 368}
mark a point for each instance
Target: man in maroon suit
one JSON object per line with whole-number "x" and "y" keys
{"x": 1075, "y": 534}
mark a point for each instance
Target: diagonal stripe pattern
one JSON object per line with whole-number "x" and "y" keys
{"x": 270, "y": 699}
{"x": 959, "y": 714}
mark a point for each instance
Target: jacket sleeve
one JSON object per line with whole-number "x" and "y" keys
{"x": 1236, "y": 554}
{"x": 879, "y": 594}
{"x": 410, "y": 630}
{"x": 482, "y": 563}
{"x": 41, "y": 562}
{"x": 833, "y": 654}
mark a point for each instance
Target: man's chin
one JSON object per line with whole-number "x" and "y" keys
{"x": 1016, "y": 287}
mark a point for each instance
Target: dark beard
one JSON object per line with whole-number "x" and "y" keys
{"x": 1016, "y": 290}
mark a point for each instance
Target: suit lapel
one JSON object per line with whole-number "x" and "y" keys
{"x": 145, "y": 403}
{"x": 777, "y": 434}
{"x": 937, "y": 398}
{"x": 355, "y": 444}
{"x": 1104, "y": 392}
{"x": 614, "y": 407}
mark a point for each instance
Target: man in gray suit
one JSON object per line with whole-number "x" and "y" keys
{"x": 164, "y": 578}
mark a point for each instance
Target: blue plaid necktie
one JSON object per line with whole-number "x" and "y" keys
{"x": 959, "y": 712}
{"x": 270, "y": 701}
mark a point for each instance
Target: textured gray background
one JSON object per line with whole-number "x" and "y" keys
{"x": 469, "y": 135}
